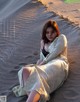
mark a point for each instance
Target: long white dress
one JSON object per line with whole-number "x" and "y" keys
{"x": 48, "y": 77}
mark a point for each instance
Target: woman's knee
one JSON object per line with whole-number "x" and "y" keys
{"x": 26, "y": 71}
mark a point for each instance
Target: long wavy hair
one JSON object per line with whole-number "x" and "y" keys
{"x": 53, "y": 25}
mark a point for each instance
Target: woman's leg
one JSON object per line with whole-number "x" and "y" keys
{"x": 25, "y": 74}
{"x": 34, "y": 96}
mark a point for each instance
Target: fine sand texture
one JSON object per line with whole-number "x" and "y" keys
{"x": 69, "y": 11}
{"x": 20, "y": 35}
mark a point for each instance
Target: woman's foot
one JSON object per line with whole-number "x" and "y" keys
{"x": 34, "y": 96}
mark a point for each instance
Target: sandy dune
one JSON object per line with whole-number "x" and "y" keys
{"x": 70, "y": 11}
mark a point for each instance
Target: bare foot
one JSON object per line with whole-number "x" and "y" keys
{"x": 28, "y": 93}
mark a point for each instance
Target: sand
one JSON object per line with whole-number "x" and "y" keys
{"x": 69, "y": 11}
{"x": 18, "y": 31}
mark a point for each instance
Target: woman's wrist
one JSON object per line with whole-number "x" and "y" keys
{"x": 45, "y": 61}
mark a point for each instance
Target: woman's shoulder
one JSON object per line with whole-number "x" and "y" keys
{"x": 62, "y": 37}
{"x": 42, "y": 43}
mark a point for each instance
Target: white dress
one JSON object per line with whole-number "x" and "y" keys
{"x": 48, "y": 77}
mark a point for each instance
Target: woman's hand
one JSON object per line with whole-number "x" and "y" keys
{"x": 40, "y": 62}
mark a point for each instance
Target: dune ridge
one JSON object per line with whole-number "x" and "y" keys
{"x": 68, "y": 11}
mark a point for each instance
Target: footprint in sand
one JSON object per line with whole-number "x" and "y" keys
{"x": 50, "y": 3}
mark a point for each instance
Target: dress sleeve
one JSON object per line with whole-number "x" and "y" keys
{"x": 59, "y": 47}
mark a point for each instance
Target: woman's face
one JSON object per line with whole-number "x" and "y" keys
{"x": 51, "y": 34}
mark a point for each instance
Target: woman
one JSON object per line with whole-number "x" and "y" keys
{"x": 51, "y": 70}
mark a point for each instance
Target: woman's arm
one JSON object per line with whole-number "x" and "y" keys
{"x": 59, "y": 47}
{"x": 41, "y": 47}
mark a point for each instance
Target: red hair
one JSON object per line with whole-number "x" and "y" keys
{"x": 53, "y": 25}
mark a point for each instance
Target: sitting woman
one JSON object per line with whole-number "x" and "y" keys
{"x": 51, "y": 70}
